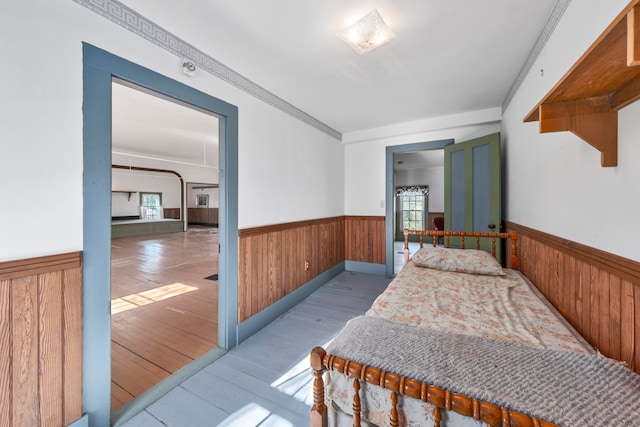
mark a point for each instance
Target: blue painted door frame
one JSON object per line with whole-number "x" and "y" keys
{"x": 99, "y": 68}
{"x": 390, "y": 189}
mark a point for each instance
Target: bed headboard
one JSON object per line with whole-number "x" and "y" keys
{"x": 466, "y": 238}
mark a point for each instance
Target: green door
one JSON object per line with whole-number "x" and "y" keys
{"x": 472, "y": 187}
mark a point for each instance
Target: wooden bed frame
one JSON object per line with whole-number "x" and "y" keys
{"x": 493, "y": 415}
{"x": 463, "y": 235}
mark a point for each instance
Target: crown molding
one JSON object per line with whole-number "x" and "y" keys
{"x": 147, "y": 29}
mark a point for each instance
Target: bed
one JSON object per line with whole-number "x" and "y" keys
{"x": 457, "y": 340}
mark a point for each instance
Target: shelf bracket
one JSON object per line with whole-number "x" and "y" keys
{"x": 590, "y": 119}
{"x": 604, "y": 80}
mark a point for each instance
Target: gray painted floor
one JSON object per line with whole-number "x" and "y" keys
{"x": 266, "y": 380}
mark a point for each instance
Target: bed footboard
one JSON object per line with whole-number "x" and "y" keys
{"x": 319, "y": 408}
{"x": 492, "y": 415}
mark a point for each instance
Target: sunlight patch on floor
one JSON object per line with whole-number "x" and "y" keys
{"x": 297, "y": 382}
{"x": 253, "y": 415}
{"x": 128, "y": 302}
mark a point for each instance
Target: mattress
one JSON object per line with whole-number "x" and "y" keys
{"x": 500, "y": 307}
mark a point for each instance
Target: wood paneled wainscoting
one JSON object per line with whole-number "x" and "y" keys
{"x": 203, "y": 216}
{"x": 41, "y": 341}
{"x": 596, "y": 291}
{"x": 171, "y": 213}
{"x": 276, "y": 260}
{"x": 365, "y": 239}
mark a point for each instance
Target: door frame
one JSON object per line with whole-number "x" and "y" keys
{"x": 390, "y": 189}
{"x": 99, "y": 68}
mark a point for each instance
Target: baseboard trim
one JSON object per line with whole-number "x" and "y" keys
{"x": 80, "y": 422}
{"x": 366, "y": 267}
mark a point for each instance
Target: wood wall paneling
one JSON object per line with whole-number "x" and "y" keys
{"x": 6, "y": 354}
{"x": 203, "y": 216}
{"x": 41, "y": 341}
{"x": 365, "y": 239}
{"x": 276, "y": 260}
{"x": 72, "y": 338}
{"x": 597, "y": 292}
{"x": 50, "y": 339}
{"x": 171, "y": 213}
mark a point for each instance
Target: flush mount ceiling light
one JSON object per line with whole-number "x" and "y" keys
{"x": 367, "y": 34}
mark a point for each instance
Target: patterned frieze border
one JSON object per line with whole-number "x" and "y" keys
{"x": 147, "y": 29}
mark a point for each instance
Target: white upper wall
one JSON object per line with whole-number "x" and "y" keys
{"x": 365, "y": 159}
{"x": 288, "y": 171}
{"x": 555, "y": 181}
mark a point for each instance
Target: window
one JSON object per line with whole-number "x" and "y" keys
{"x": 150, "y": 204}
{"x": 412, "y": 211}
{"x": 412, "y": 208}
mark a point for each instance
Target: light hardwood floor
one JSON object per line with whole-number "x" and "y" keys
{"x": 266, "y": 380}
{"x": 164, "y": 311}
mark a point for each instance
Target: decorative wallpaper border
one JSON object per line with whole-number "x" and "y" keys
{"x": 556, "y": 14}
{"x": 147, "y": 29}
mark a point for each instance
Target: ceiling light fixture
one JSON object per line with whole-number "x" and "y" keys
{"x": 367, "y": 34}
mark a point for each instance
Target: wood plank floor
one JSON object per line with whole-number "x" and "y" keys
{"x": 164, "y": 311}
{"x": 266, "y": 380}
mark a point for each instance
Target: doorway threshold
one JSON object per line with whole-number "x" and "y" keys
{"x": 140, "y": 403}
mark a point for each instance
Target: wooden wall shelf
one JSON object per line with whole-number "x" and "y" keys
{"x": 605, "y": 79}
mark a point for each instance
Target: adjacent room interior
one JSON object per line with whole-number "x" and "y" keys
{"x": 418, "y": 181}
{"x": 164, "y": 251}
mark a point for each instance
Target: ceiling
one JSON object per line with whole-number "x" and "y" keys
{"x": 448, "y": 57}
{"x": 147, "y": 125}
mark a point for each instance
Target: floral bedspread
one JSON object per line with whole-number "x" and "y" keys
{"x": 498, "y": 307}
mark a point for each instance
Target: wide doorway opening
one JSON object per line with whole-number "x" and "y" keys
{"x": 164, "y": 238}
{"x": 414, "y": 192}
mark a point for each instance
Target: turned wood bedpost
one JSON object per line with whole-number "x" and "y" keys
{"x": 356, "y": 403}
{"x": 437, "y": 416}
{"x": 406, "y": 246}
{"x": 514, "y": 251}
{"x": 393, "y": 417}
{"x": 319, "y": 416}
